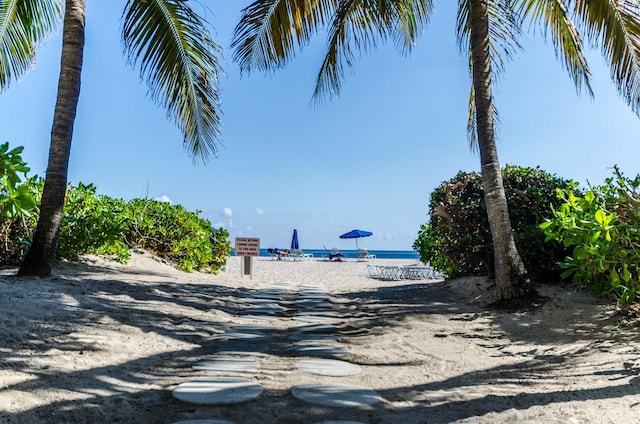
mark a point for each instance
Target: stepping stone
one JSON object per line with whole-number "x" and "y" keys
{"x": 264, "y": 309}
{"x": 322, "y": 350}
{"x": 243, "y": 336}
{"x": 217, "y": 390}
{"x": 330, "y": 367}
{"x": 314, "y": 319}
{"x": 227, "y": 364}
{"x": 232, "y": 347}
{"x": 306, "y": 337}
{"x": 339, "y": 395}
{"x": 205, "y": 422}
{"x": 320, "y": 328}
{"x": 314, "y": 304}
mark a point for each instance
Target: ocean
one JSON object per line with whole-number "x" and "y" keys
{"x": 382, "y": 254}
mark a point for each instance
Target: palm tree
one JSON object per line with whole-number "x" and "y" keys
{"x": 178, "y": 59}
{"x": 270, "y": 31}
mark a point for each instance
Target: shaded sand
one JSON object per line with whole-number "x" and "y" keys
{"x": 106, "y": 343}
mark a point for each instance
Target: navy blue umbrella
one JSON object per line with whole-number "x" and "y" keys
{"x": 356, "y": 234}
{"x": 294, "y": 240}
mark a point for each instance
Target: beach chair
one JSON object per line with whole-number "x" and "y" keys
{"x": 334, "y": 255}
{"x": 363, "y": 255}
{"x": 299, "y": 254}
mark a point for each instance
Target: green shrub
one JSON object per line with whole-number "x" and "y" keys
{"x": 18, "y": 202}
{"x": 182, "y": 237}
{"x": 457, "y": 239}
{"x": 602, "y": 227}
{"x": 93, "y": 223}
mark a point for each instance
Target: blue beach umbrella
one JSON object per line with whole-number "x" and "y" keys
{"x": 356, "y": 234}
{"x": 294, "y": 240}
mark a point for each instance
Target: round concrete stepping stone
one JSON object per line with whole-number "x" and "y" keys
{"x": 329, "y": 367}
{"x": 340, "y": 395}
{"x": 227, "y": 364}
{"x": 233, "y": 348}
{"x": 243, "y": 336}
{"x": 204, "y": 422}
{"x": 314, "y": 304}
{"x": 319, "y": 328}
{"x": 306, "y": 337}
{"x": 315, "y": 319}
{"x": 264, "y": 309}
{"x": 217, "y": 390}
{"x": 322, "y": 350}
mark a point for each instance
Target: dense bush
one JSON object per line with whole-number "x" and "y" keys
{"x": 457, "y": 239}
{"x": 98, "y": 224}
{"x": 180, "y": 236}
{"x": 18, "y": 201}
{"x": 602, "y": 227}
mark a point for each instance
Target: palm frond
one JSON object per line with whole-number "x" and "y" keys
{"x": 269, "y": 31}
{"x": 357, "y": 26}
{"x": 179, "y": 62}
{"x": 23, "y": 25}
{"x": 553, "y": 17}
{"x": 614, "y": 26}
{"x": 411, "y": 18}
{"x": 504, "y": 31}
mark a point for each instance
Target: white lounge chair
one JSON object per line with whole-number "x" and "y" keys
{"x": 363, "y": 255}
{"x": 299, "y": 254}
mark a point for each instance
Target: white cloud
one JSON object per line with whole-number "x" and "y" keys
{"x": 164, "y": 198}
{"x": 228, "y": 212}
{"x": 260, "y": 211}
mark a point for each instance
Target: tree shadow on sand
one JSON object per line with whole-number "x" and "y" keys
{"x": 138, "y": 390}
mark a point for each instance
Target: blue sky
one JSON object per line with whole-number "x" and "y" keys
{"x": 368, "y": 160}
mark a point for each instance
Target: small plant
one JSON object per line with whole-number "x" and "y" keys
{"x": 18, "y": 201}
{"x": 602, "y": 227}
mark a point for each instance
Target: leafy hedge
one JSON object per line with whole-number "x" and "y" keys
{"x": 602, "y": 228}
{"x": 97, "y": 224}
{"x": 457, "y": 239}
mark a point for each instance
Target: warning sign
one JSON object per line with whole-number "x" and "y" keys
{"x": 247, "y": 246}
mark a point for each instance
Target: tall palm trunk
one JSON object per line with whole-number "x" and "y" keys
{"x": 510, "y": 274}
{"x": 41, "y": 255}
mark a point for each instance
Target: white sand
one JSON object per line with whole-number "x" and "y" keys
{"x": 106, "y": 343}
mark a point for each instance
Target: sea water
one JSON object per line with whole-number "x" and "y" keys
{"x": 382, "y": 254}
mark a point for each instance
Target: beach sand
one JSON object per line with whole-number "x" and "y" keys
{"x": 101, "y": 342}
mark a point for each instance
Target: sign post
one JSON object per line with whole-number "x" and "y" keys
{"x": 247, "y": 248}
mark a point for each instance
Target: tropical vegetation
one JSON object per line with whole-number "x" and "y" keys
{"x": 602, "y": 230}
{"x": 270, "y": 32}
{"x": 456, "y": 241}
{"x": 97, "y": 224}
{"x": 177, "y": 57}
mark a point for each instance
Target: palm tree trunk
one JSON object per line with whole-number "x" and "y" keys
{"x": 510, "y": 274}
{"x": 41, "y": 255}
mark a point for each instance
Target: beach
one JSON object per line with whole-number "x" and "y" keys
{"x": 102, "y": 342}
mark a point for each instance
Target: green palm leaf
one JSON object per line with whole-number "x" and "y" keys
{"x": 23, "y": 25}
{"x": 358, "y": 25}
{"x": 553, "y": 17}
{"x": 615, "y": 26}
{"x": 179, "y": 61}
{"x": 270, "y": 30}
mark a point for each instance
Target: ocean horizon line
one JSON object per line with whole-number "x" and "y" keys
{"x": 353, "y": 253}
